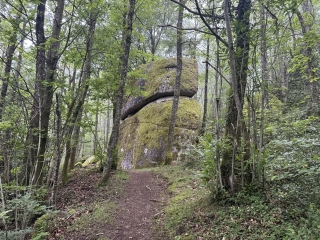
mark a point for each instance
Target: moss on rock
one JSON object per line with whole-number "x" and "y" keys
{"x": 90, "y": 160}
{"x": 42, "y": 225}
{"x": 143, "y": 136}
{"x": 158, "y": 81}
{"x": 162, "y": 74}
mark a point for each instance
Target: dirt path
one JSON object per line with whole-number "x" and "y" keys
{"x": 123, "y": 209}
{"x": 142, "y": 199}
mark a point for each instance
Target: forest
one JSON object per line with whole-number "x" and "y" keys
{"x": 253, "y": 167}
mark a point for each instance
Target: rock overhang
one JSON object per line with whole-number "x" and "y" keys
{"x": 159, "y": 82}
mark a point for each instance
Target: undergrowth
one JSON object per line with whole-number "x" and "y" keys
{"x": 255, "y": 213}
{"x": 285, "y": 205}
{"x": 84, "y": 207}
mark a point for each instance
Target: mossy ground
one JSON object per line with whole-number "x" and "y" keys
{"x": 184, "y": 214}
{"x": 192, "y": 213}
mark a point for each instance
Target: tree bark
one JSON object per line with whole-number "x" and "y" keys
{"x": 126, "y": 44}
{"x": 236, "y": 130}
{"x": 75, "y": 143}
{"x": 58, "y": 153}
{"x": 264, "y": 85}
{"x": 175, "y": 103}
{"x": 311, "y": 74}
{"x": 45, "y": 76}
{"x": 4, "y": 135}
{"x": 205, "y": 100}
{"x": 35, "y": 129}
{"x": 217, "y": 104}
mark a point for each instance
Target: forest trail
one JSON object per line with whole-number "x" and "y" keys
{"x": 142, "y": 199}
{"x": 126, "y": 208}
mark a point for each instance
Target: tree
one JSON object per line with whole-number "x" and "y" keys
{"x": 75, "y": 113}
{"x": 175, "y": 103}
{"x": 235, "y": 124}
{"x": 205, "y": 101}
{"x": 237, "y": 43}
{"x": 309, "y": 42}
{"x": 4, "y": 137}
{"x": 45, "y": 77}
{"x": 126, "y": 44}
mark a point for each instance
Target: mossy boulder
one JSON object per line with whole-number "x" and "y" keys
{"x": 158, "y": 81}
{"x": 143, "y": 136}
{"x": 90, "y": 160}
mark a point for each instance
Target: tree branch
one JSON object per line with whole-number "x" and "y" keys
{"x": 217, "y": 70}
{"x": 186, "y": 29}
{"x": 194, "y": 12}
{"x": 208, "y": 26}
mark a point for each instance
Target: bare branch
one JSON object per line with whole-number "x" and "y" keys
{"x": 186, "y": 29}
{"x": 209, "y": 27}
{"x": 217, "y": 70}
{"x": 197, "y": 13}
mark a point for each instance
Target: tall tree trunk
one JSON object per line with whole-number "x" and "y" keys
{"x": 311, "y": 74}
{"x": 4, "y": 135}
{"x": 175, "y": 103}
{"x": 45, "y": 76}
{"x": 75, "y": 143}
{"x": 58, "y": 153}
{"x": 126, "y": 44}
{"x": 217, "y": 103}
{"x": 263, "y": 49}
{"x": 76, "y": 115}
{"x": 34, "y": 129}
{"x": 96, "y": 138}
{"x": 264, "y": 85}
{"x": 108, "y": 126}
{"x": 236, "y": 131}
{"x": 205, "y": 100}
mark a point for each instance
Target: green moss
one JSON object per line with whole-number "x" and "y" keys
{"x": 90, "y": 160}
{"x": 184, "y": 206}
{"x": 42, "y": 225}
{"x": 157, "y": 74}
{"x": 147, "y": 130}
{"x": 144, "y": 135}
{"x": 99, "y": 214}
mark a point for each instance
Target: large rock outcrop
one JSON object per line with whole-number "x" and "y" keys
{"x": 159, "y": 82}
{"x": 146, "y": 117}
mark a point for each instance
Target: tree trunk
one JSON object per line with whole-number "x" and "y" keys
{"x": 69, "y": 160}
{"x": 217, "y": 103}
{"x": 4, "y": 135}
{"x": 34, "y": 129}
{"x": 75, "y": 142}
{"x": 205, "y": 100}
{"x": 126, "y": 44}
{"x": 96, "y": 138}
{"x": 58, "y": 153}
{"x": 264, "y": 85}
{"x": 108, "y": 126}
{"x": 311, "y": 74}
{"x": 175, "y": 103}
{"x": 263, "y": 49}
{"x": 236, "y": 130}
{"x": 45, "y": 76}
